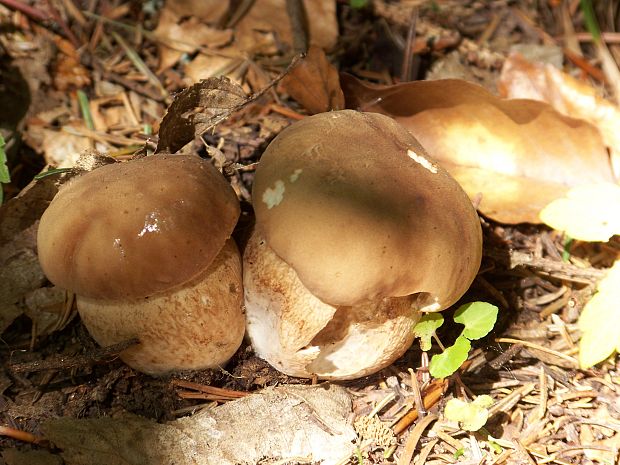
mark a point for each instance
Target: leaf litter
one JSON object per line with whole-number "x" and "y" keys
{"x": 545, "y": 409}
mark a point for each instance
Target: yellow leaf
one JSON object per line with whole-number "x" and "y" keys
{"x": 600, "y": 335}
{"x": 589, "y": 213}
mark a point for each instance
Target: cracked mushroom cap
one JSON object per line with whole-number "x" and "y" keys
{"x": 353, "y": 203}
{"x": 130, "y": 230}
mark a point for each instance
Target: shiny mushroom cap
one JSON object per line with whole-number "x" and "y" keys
{"x": 353, "y": 203}
{"x": 130, "y": 230}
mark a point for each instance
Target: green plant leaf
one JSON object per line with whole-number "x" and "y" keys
{"x": 357, "y": 4}
{"x": 426, "y": 327}
{"x": 472, "y": 416}
{"x": 444, "y": 364}
{"x": 478, "y": 318}
{"x": 600, "y": 335}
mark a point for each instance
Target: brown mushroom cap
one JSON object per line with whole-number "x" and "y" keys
{"x": 356, "y": 207}
{"x": 130, "y": 230}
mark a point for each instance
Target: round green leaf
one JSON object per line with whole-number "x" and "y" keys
{"x": 426, "y": 327}
{"x": 446, "y": 363}
{"x": 478, "y": 318}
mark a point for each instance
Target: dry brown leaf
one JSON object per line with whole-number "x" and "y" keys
{"x": 20, "y": 272}
{"x": 60, "y": 149}
{"x": 68, "y": 71}
{"x": 195, "y": 109}
{"x": 519, "y": 154}
{"x": 209, "y": 11}
{"x": 179, "y": 36}
{"x": 208, "y": 66}
{"x": 270, "y": 16}
{"x": 521, "y": 78}
{"x": 314, "y": 83}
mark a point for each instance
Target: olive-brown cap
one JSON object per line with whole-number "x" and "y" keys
{"x": 133, "y": 229}
{"x": 354, "y": 204}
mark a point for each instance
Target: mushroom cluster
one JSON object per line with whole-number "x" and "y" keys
{"x": 357, "y": 232}
{"x": 146, "y": 246}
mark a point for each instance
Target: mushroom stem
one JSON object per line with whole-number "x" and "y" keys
{"x": 302, "y": 336}
{"x": 179, "y": 327}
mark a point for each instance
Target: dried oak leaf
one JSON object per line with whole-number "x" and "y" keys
{"x": 196, "y": 109}
{"x": 177, "y": 36}
{"x": 521, "y": 78}
{"x": 519, "y": 154}
{"x": 278, "y": 424}
{"x": 314, "y": 83}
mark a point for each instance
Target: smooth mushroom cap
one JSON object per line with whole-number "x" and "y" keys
{"x": 356, "y": 207}
{"x": 197, "y": 326}
{"x": 302, "y": 336}
{"x": 130, "y": 230}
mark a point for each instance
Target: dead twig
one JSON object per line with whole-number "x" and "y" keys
{"x": 21, "y": 435}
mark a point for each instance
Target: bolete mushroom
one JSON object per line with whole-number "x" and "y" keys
{"x": 357, "y": 232}
{"x": 146, "y": 246}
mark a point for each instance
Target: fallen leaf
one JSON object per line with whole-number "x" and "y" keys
{"x": 20, "y": 272}
{"x": 209, "y": 11}
{"x": 176, "y": 37}
{"x": 30, "y": 457}
{"x": 208, "y": 66}
{"x": 68, "y": 70}
{"x": 521, "y": 78}
{"x": 471, "y": 415}
{"x": 195, "y": 109}
{"x": 314, "y": 83}
{"x": 519, "y": 154}
{"x": 278, "y": 424}
{"x": 600, "y": 337}
{"x": 271, "y": 16}
{"x": 588, "y": 213}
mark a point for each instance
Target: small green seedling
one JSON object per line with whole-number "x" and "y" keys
{"x": 478, "y": 318}
{"x": 358, "y": 4}
{"x": 471, "y": 415}
{"x": 4, "y": 170}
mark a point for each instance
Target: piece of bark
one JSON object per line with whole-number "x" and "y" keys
{"x": 292, "y": 424}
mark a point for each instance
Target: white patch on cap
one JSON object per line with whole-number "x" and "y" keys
{"x": 422, "y": 161}
{"x": 273, "y": 197}
{"x": 293, "y": 177}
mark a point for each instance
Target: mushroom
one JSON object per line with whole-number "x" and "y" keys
{"x": 357, "y": 232}
{"x": 146, "y": 247}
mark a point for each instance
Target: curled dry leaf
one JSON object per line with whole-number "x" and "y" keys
{"x": 314, "y": 83}
{"x": 288, "y": 422}
{"x": 521, "y": 78}
{"x": 271, "y": 17}
{"x": 519, "y": 154}
{"x": 196, "y": 109}
{"x": 177, "y": 36}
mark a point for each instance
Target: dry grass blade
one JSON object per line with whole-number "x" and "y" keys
{"x": 532, "y": 345}
{"x": 414, "y": 438}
